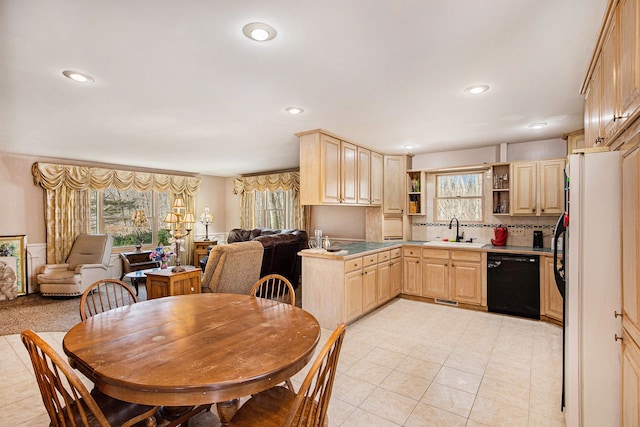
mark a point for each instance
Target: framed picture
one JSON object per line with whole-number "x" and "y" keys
{"x": 13, "y": 266}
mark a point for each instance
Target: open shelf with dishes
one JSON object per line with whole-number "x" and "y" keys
{"x": 500, "y": 188}
{"x": 415, "y": 198}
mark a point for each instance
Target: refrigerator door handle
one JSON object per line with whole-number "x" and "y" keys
{"x": 558, "y": 267}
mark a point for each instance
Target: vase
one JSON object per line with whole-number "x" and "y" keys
{"x": 164, "y": 264}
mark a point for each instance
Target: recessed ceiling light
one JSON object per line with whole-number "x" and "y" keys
{"x": 259, "y": 31}
{"x": 78, "y": 76}
{"x": 409, "y": 146}
{"x": 537, "y": 125}
{"x": 294, "y": 110}
{"x": 477, "y": 89}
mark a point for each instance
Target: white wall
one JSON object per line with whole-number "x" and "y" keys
{"x": 537, "y": 150}
{"x": 444, "y": 159}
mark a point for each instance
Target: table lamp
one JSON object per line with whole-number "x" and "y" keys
{"x": 180, "y": 225}
{"x": 206, "y": 218}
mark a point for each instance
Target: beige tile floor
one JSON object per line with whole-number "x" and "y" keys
{"x": 407, "y": 364}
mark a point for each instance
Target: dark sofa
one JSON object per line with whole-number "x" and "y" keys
{"x": 281, "y": 249}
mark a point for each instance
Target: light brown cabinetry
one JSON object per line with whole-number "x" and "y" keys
{"x": 537, "y": 188}
{"x": 412, "y": 271}
{"x": 395, "y": 172}
{"x": 334, "y": 171}
{"x": 551, "y": 302}
{"x": 575, "y": 141}
{"x": 415, "y": 199}
{"x": 630, "y": 381}
{"x": 395, "y": 272}
{"x": 612, "y": 91}
{"x": 500, "y": 188}
{"x": 353, "y": 288}
{"x": 369, "y": 282}
{"x": 453, "y": 275}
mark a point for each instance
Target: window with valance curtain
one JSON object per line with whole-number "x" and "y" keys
{"x": 67, "y": 197}
{"x": 249, "y": 185}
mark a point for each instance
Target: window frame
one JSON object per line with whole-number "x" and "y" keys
{"x": 154, "y": 219}
{"x": 481, "y": 197}
{"x": 287, "y": 211}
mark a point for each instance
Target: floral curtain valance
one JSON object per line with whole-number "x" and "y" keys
{"x": 51, "y": 176}
{"x": 271, "y": 182}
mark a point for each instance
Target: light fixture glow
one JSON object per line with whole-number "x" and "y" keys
{"x": 294, "y": 110}
{"x": 259, "y": 31}
{"x": 478, "y": 89}
{"x": 537, "y": 125}
{"x": 78, "y": 76}
{"x": 409, "y": 146}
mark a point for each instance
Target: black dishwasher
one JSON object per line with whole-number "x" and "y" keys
{"x": 513, "y": 284}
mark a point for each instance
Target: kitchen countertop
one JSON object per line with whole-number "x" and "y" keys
{"x": 363, "y": 248}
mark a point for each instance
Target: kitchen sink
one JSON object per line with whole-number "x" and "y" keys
{"x": 443, "y": 244}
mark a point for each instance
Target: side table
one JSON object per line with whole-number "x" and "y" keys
{"x": 164, "y": 282}
{"x": 200, "y": 250}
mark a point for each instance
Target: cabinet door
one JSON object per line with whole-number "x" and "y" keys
{"x": 629, "y": 63}
{"x": 592, "y": 103}
{"x": 395, "y": 277}
{"x": 394, "y": 184}
{"x": 376, "y": 178}
{"x": 630, "y": 239}
{"x": 384, "y": 281}
{"x": 551, "y": 187}
{"x": 523, "y": 192}
{"x": 369, "y": 288}
{"x": 353, "y": 294}
{"x": 553, "y": 304}
{"x": 412, "y": 276}
{"x": 364, "y": 176}
{"x": 330, "y": 169}
{"x": 630, "y": 382}
{"x": 435, "y": 278}
{"x": 349, "y": 173}
{"x": 608, "y": 101}
{"x": 466, "y": 282}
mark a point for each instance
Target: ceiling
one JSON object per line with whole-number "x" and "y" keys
{"x": 179, "y": 87}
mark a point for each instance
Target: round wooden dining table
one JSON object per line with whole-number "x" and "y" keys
{"x": 193, "y": 349}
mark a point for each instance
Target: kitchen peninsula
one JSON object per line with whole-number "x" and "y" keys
{"x": 343, "y": 286}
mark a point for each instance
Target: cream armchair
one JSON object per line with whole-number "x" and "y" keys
{"x": 233, "y": 268}
{"x": 87, "y": 262}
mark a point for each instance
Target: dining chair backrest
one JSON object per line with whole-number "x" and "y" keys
{"x": 275, "y": 287}
{"x": 103, "y": 295}
{"x": 310, "y": 405}
{"x": 67, "y": 400}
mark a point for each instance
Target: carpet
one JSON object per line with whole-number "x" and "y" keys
{"x": 42, "y": 314}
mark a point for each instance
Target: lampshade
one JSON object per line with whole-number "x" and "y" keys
{"x": 171, "y": 218}
{"x": 139, "y": 219}
{"x": 206, "y": 217}
{"x": 178, "y": 203}
{"x": 188, "y": 218}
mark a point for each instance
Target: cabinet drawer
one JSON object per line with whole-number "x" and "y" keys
{"x": 466, "y": 256}
{"x": 395, "y": 253}
{"x": 435, "y": 253}
{"x": 384, "y": 256}
{"x": 413, "y": 252}
{"x": 352, "y": 264}
{"x": 368, "y": 260}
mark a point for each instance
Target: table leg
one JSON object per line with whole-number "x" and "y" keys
{"x": 226, "y": 410}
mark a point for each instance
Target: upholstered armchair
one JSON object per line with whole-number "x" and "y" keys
{"x": 87, "y": 262}
{"x": 233, "y": 268}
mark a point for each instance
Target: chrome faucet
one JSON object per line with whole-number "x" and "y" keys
{"x": 459, "y": 236}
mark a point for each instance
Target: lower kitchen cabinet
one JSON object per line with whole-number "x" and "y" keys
{"x": 630, "y": 381}
{"x": 412, "y": 284}
{"x": 551, "y": 302}
{"x": 395, "y": 273}
{"x": 384, "y": 281}
{"x": 369, "y": 288}
{"x": 453, "y": 275}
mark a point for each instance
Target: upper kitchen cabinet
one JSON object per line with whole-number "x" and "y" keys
{"x": 336, "y": 172}
{"x": 537, "y": 188}
{"x": 395, "y": 172}
{"x": 612, "y": 86}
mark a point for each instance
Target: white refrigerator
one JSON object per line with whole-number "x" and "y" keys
{"x": 592, "y": 355}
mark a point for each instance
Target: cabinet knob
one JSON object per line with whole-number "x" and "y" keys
{"x": 618, "y": 118}
{"x": 616, "y": 314}
{"x": 618, "y": 338}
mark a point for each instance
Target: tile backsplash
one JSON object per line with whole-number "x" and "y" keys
{"x": 483, "y": 233}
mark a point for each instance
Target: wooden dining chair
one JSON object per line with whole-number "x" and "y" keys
{"x": 66, "y": 398}
{"x": 103, "y": 295}
{"x": 279, "y": 406}
{"x": 275, "y": 287}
